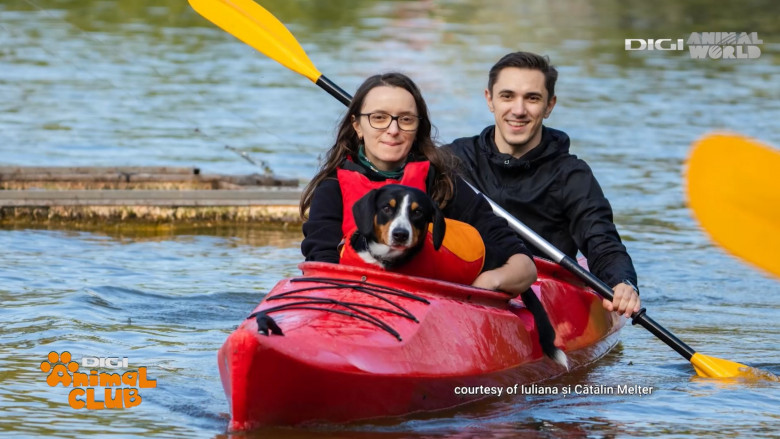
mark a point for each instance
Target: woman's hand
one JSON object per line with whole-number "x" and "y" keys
{"x": 514, "y": 277}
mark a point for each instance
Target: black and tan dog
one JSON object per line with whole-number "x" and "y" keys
{"x": 392, "y": 223}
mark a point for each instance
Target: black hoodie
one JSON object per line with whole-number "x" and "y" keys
{"x": 552, "y": 192}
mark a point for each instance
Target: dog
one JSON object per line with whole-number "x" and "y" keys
{"x": 392, "y": 224}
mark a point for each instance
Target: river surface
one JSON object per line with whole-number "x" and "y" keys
{"x": 150, "y": 83}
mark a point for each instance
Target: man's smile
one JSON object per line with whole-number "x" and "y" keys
{"x": 518, "y": 123}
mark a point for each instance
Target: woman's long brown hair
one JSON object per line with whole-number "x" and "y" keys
{"x": 423, "y": 148}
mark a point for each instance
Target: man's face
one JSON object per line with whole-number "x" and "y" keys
{"x": 519, "y": 102}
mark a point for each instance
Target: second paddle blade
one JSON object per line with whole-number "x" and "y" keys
{"x": 734, "y": 192}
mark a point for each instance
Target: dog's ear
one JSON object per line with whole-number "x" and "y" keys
{"x": 439, "y": 226}
{"x": 363, "y": 212}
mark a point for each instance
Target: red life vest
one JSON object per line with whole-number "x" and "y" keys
{"x": 461, "y": 255}
{"x": 354, "y": 185}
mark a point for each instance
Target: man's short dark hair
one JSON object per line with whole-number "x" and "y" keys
{"x": 526, "y": 60}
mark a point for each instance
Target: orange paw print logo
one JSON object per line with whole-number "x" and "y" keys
{"x": 60, "y": 367}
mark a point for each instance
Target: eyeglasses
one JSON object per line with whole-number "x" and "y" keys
{"x": 382, "y": 121}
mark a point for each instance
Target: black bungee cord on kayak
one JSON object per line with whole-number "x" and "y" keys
{"x": 266, "y": 324}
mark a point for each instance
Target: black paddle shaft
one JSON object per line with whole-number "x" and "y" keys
{"x": 586, "y": 276}
{"x": 334, "y": 90}
{"x": 639, "y": 317}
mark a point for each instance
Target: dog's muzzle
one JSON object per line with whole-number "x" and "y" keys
{"x": 399, "y": 237}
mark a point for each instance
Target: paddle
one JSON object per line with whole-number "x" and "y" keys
{"x": 258, "y": 28}
{"x": 252, "y": 24}
{"x": 734, "y": 192}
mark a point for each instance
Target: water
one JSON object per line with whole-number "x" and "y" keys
{"x": 150, "y": 83}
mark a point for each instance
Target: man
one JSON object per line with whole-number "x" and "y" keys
{"x": 527, "y": 169}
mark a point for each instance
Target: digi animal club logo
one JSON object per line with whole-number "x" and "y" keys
{"x": 120, "y": 391}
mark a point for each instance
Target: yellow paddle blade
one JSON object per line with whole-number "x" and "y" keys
{"x": 255, "y": 26}
{"x": 734, "y": 192}
{"x": 712, "y": 367}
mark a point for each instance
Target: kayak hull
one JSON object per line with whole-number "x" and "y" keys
{"x": 361, "y": 344}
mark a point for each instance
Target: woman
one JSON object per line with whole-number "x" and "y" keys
{"x": 386, "y": 136}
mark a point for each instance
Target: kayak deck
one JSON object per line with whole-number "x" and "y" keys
{"x": 362, "y": 344}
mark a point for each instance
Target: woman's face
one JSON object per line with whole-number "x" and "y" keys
{"x": 387, "y": 148}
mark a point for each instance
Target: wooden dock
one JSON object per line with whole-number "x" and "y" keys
{"x": 143, "y": 194}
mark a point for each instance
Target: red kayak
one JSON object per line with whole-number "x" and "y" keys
{"x": 355, "y": 344}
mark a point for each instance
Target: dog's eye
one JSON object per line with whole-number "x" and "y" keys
{"x": 417, "y": 213}
{"x": 387, "y": 209}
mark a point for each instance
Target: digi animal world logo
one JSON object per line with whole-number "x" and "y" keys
{"x": 706, "y": 45}
{"x": 119, "y": 391}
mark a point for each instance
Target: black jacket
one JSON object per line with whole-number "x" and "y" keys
{"x": 322, "y": 231}
{"x": 552, "y": 192}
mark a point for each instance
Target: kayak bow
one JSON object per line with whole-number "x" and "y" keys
{"x": 361, "y": 344}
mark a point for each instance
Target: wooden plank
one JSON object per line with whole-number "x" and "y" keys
{"x": 82, "y": 177}
{"x": 166, "y": 216}
{"x": 111, "y": 177}
{"x": 6, "y": 171}
{"x": 118, "y": 194}
{"x": 201, "y": 198}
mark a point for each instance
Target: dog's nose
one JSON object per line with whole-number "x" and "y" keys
{"x": 400, "y": 235}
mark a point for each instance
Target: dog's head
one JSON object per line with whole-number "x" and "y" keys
{"x": 394, "y": 220}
